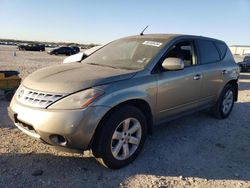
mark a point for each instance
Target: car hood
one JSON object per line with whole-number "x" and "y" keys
{"x": 69, "y": 78}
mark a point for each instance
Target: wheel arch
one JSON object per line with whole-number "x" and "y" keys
{"x": 234, "y": 83}
{"x": 138, "y": 103}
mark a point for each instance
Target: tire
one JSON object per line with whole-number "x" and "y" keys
{"x": 225, "y": 103}
{"x": 107, "y": 141}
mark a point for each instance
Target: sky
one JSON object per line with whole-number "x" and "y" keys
{"x": 94, "y": 21}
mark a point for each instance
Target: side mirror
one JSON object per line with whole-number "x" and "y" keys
{"x": 173, "y": 63}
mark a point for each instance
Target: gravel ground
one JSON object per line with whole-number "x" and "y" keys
{"x": 194, "y": 151}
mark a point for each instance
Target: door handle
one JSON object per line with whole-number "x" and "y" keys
{"x": 197, "y": 77}
{"x": 224, "y": 72}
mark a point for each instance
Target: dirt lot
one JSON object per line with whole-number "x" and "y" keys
{"x": 194, "y": 151}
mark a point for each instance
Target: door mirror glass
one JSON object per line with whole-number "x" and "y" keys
{"x": 173, "y": 63}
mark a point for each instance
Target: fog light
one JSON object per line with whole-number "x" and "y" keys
{"x": 58, "y": 139}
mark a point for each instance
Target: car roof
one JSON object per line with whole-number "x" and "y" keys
{"x": 153, "y": 36}
{"x": 64, "y": 47}
{"x": 172, "y": 36}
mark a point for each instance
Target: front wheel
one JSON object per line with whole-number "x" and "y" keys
{"x": 225, "y": 103}
{"x": 120, "y": 138}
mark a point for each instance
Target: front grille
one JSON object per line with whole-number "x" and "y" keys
{"x": 37, "y": 98}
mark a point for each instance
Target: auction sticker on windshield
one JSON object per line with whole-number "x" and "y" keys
{"x": 152, "y": 43}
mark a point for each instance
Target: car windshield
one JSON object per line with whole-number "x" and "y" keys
{"x": 128, "y": 53}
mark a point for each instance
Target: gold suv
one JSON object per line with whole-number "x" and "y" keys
{"x": 112, "y": 99}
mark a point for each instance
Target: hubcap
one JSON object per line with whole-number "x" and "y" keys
{"x": 126, "y": 138}
{"x": 227, "y": 101}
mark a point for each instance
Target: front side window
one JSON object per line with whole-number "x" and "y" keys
{"x": 61, "y": 50}
{"x": 184, "y": 51}
{"x": 129, "y": 53}
{"x": 208, "y": 52}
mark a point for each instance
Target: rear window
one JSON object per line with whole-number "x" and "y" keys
{"x": 222, "y": 48}
{"x": 208, "y": 52}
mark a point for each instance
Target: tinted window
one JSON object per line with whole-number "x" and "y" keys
{"x": 62, "y": 50}
{"x": 222, "y": 48}
{"x": 208, "y": 52}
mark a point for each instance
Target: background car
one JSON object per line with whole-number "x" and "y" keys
{"x": 245, "y": 65}
{"x": 31, "y": 47}
{"x": 76, "y": 48}
{"x": 81, "y": 56}
{"x": 62, "y": 50}
{"x": 111, "y": 101}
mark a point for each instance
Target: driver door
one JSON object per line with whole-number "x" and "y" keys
{"x": 179, "y": 90}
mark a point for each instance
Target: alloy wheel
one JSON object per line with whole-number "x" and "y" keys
{"x": 227, "y": 102}
{"x": 126, "y": 138}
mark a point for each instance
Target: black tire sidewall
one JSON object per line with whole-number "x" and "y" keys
{"x": 110, "y": 125}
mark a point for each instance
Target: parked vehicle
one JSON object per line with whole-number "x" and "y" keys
{"x": 31, "y": 47}
{"x": 9, "y": 82}
{"x": 245, "y": 65}
{"x": 111, "y": 101}
{"x": 80, "y": 56}
{"x": 76, "y": 48}
{"x": 62, "y": 50}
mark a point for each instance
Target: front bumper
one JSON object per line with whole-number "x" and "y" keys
{"x": 76, "y": 126}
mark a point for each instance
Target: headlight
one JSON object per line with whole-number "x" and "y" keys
{"x": 19, "y": 92}
{"x": 77, "y": 100}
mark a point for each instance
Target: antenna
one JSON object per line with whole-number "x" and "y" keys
{"x": 143, "y": 30}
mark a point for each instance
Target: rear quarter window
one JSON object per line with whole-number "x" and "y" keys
{"x": 208, "y": 52}
{"x": 222, "y": 47}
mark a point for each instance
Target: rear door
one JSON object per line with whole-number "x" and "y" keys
{"x": 211, "y": 67}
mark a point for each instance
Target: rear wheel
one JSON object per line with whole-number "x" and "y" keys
{"x": 225, "y": 103}
{"x": 120, "y": 138}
